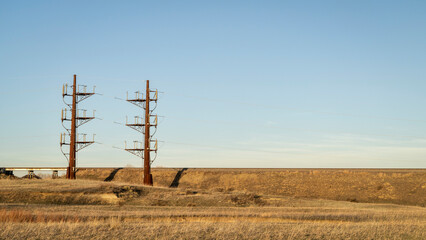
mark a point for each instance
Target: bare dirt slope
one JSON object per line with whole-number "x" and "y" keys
{"x": 400, "y": 186}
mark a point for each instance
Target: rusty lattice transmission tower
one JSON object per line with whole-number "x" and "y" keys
{"x": 144, "y": 149}
{"x": 77, "y": 117}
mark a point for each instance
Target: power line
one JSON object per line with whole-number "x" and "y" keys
{"x": 239, "y": 123}
{"x": 299, "y": 109}
{"x": 277, "y": 152}
{"x": 225, "y": 147}
{"x": 78, "y": 117}
{"x": 299, "y": 129}
{"x": 144, "y": 127}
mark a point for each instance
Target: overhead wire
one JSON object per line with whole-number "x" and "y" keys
{"x": 276, "y": 152}
{"x": 275, "y": 107}
{"x": 299, "y": 129}
{"x": 297, "y": 109}
{"x": 239, "y": 123}
{"x": 224, "y": 147}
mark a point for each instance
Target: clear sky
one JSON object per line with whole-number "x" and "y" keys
{"x": 245, "y": 83}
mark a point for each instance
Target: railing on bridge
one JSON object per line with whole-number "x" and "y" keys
{"x": 55, "y": 170}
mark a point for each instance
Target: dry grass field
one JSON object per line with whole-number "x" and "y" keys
{"x": 399, "y": 186}
{"x": 92, "y": 209}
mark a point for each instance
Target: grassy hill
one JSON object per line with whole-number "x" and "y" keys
{"x": 399, "y": 186}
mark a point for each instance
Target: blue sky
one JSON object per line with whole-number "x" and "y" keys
{"x": 245, "y": 83}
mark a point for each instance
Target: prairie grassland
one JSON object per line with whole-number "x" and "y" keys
{"x": 37, "y": 209}
{"x": 133, "y": 222}
{"x": 399, "y": 186}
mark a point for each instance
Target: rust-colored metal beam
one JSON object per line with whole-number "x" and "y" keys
{"x": 71, "y": 167}
{"x": 147, "y": 177}
{"x": 145, "y": 127}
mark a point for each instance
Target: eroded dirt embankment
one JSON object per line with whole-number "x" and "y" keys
{"x": 400, "y": 186}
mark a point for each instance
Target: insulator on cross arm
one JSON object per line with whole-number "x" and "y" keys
{"x": 154, "y": 124}
{"x": 63, "y": 135}
{"x": 155, "y": 94}
{"x": 81, "y": 113}
{"x": 138, "y": 95}
{"x": 84, "y": 88}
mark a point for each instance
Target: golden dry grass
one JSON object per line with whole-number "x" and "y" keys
{"x": 400, "y": 186}
{"x": 65, "y": 192}
{"x": 133, "y": 222}
{"x": 99, "y": 210}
